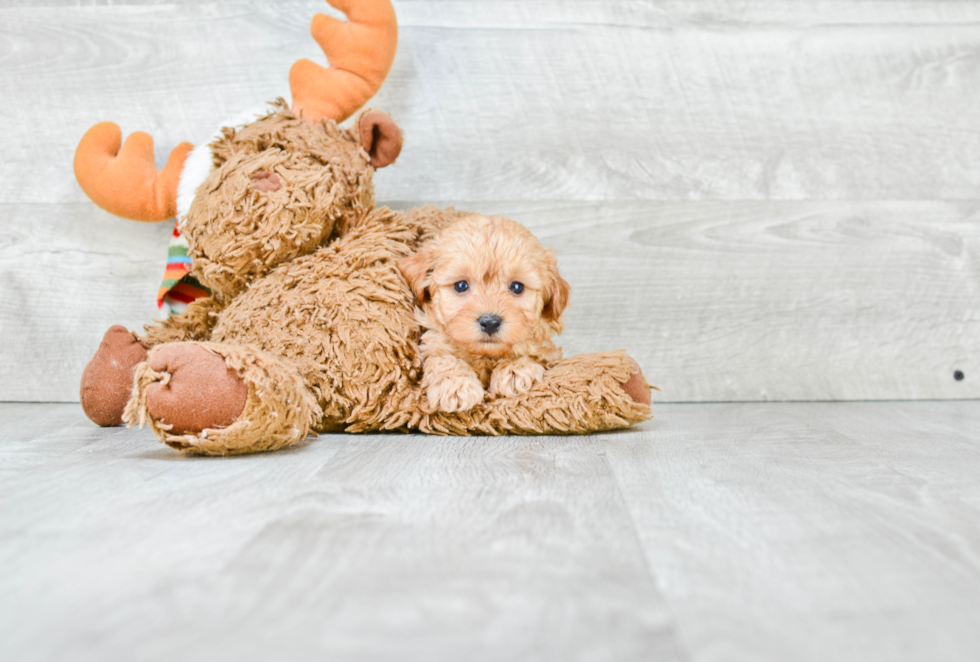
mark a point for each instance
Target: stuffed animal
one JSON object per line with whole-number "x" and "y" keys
{"x": 294, "y": 315}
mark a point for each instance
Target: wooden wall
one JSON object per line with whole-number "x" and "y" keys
{"x": 759, "y": 200}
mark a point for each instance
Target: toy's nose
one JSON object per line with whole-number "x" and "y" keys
{"x": 489, "y": 323}
{"x": 265, "y": 181}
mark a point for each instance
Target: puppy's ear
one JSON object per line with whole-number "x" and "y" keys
{"x": 416, "y": 269}
{"x": 557, "y": 296}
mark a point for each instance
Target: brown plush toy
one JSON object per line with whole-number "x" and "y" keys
{"x": 309, "y": 324}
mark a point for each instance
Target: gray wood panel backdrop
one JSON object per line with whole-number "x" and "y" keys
{"x": 759, "y": 200}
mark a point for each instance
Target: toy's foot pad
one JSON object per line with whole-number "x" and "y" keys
{"x": 107, "y": 381}
{"x": 202, "y": 391}
{"x": 636, "y": 387}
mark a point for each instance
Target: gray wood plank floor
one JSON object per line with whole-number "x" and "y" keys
{"x": 844, "y": 531}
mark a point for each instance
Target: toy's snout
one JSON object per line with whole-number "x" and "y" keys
{"x": 265, "y": 181}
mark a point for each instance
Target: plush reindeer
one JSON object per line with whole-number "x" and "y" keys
{"x": 294, "y": 314}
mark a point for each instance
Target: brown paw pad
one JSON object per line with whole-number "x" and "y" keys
{"x": 203, "y": 392}
{"x": 107, "y": 380}
{"x": 636, "y": 386}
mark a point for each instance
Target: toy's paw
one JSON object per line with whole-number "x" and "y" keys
{"x": 636, "y": 386}
{"x": 107, "y": 381}
{"x": 455, "y": 393}
{"x": 515, "y": 377}
{"x": 202, "y": 392}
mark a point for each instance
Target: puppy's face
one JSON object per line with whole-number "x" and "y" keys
{"x": 488, "y": 286}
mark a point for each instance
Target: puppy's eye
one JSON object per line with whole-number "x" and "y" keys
{"x": 461, "y": 286}
{"x": 517, "y": 288}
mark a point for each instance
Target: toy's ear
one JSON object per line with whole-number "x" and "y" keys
{"x": 556, "y": 297}
{"x": 416, "y": 269}
{"x": 380, "y": 137}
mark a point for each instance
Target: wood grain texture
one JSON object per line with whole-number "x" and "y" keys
{"x": 347, "y": 548}
{"x": 786, "y": 531}
{"x": 66, "y": 271}
{"x": 718, "y": 301}
{"x": 774, "y": 301}
{"x": 831, "y": 531}
{"x": 635, "y": 108}
{"x": 540, "y": 100}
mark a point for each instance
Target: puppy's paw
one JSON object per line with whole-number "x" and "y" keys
{"x": 515, "y": 377}
{"x": 455, "y": 393}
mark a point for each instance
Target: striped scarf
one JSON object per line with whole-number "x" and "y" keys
{"x": 179, "y": 288}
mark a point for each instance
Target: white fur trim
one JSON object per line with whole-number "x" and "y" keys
{"x": 196, "y": 169}
{"x": 198, "y": 165}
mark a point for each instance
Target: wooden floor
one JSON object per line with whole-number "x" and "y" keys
{"x": 821, "y": 531}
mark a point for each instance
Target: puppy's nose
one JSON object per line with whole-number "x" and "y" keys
{"x": 489, "y": 323}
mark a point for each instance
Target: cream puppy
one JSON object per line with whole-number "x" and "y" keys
{"x": 490, "y": 298}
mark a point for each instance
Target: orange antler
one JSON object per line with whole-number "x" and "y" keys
{"x": 360, "y": 52}
{"x": 125, "y": 182}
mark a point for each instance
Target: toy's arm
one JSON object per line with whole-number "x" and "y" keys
{"x": 195, "y": 323}
{"x": 580, "y": 394}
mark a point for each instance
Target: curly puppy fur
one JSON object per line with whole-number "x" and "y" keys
{"x": 491, "y": 298}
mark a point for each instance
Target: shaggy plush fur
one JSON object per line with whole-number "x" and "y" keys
{"x": 336, "y": 331}
{"x": 280, "y": 187}
{"x": 278, "y": 411}
{"x": 312, "y": 313}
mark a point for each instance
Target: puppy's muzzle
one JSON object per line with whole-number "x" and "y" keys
{"x": 490, "y": 324}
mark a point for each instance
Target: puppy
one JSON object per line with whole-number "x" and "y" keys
{"x": 490, "y": 298}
